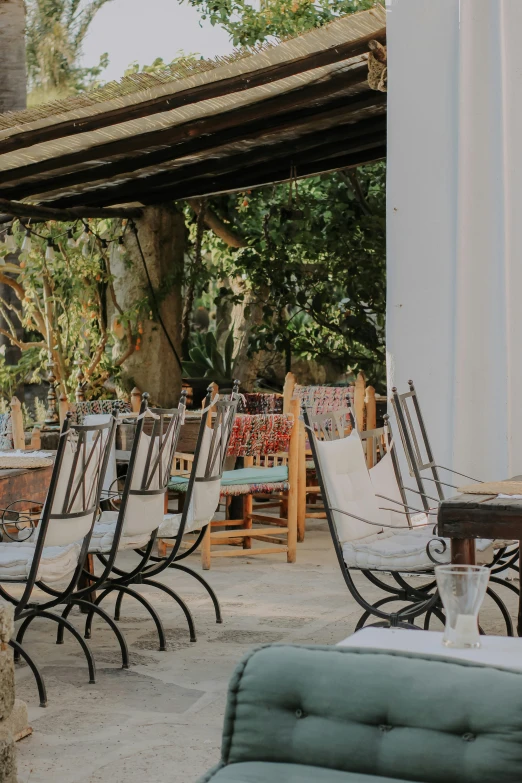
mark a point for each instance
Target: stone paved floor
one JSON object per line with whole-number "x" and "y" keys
{"x": 160, "y": 721}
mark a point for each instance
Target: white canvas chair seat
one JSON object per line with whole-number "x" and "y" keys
{"x": 57, "y": 562}
{"x": 170, "y": 526}
{"x": 103, "y": 535}
{"x": 403, "y": 550}
{"x": 203, "y": 504}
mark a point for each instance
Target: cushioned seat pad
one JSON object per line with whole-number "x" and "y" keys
{"x": 401, "y": 550}
{"x": 57, "y": 562}
{"x": 229, "y": 478}
{"x": 255, "y": 475}
{"x": 268, "y": 772}
{"x": 170, "y": 525}
{"x": 103, "y": 535}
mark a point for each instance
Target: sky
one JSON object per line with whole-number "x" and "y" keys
{"x": 141, "y": 30}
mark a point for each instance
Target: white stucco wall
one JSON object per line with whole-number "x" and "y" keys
{"x": 454, "y": 320}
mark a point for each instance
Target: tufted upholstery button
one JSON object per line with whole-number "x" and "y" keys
{"x": 299, "y": 713}
{"x": 468, "y": 737}
{"x": 385, "y": 728}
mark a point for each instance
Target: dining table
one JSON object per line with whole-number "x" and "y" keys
{"x": 466, "y": 517}
{"x": 26, "y": 484}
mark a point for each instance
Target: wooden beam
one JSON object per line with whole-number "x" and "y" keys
{"x": 18, "y": 209}
{"x": 187, "y": 131}
{"x": 340, "y": 139}
{"x": 234, "y": 84}
{"x": 246, "y": 180}
{"x": 339, "y": 111}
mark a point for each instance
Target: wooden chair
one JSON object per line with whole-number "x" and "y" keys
{"x": 12, "y": 434}
{"x": 83, "y": 407}
{"x": 325, "y": 399}
{"x": 279, "y": 531}
{"x": 255, "y": 403}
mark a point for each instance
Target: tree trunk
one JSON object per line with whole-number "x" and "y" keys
{"x": 13, "y": 97}
{"x": 246, "y": 367}
{"x": 154, "y": 367}
{"x": 12, "y": 56}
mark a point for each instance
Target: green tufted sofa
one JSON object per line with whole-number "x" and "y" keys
{"x": 343, "y": 715}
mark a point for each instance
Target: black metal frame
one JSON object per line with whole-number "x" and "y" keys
{"x": 25, "y": 609}
{"x": 225, "y": 414}
{"x": 420, "y": 601}
{"x": 412, "y": 449}
{"x": 166, "y": 427}
{"x": 506, "y": 557}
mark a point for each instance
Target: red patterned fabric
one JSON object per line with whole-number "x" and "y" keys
{"x": 263, "y": 434}
{"x": 324, "y": 399}
{"x": 254, "y": 403}
{"x": 80, "y": 410}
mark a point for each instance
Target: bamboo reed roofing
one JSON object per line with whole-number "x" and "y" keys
{"x": 201, "y": 128}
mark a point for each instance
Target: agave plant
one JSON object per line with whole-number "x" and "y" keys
{"x": 206, "y": 360}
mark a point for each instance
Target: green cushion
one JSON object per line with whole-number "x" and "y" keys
{"x": 231, "y": 478}
{"x": 369, "y": 712}
{"x": 267, "y": 772}
{"x": 255, "y": 476}
{"x": 178, "y": 482}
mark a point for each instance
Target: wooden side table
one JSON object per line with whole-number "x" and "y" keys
{"x": 464, "y": 518}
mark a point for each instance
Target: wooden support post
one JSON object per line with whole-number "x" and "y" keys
{"x": 17, "y": 421}
{"x": 288, "y": 391}
{"x": 358, "y": 401}
{"x": 371, "y": 424}
{"x": 135, "y": 400}
{"x": 63, "y": 407}
{"x": 205, "y": 549}
{"x": 293, "y": 472}
{"x": 247, "y": 519}
{"x": 371, "y": 409}
{"x": 301, "y": 484}
{"x": 36, "y": 440}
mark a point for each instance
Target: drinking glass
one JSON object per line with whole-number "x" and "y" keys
{"x": 462, "y": 589}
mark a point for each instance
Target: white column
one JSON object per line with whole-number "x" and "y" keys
{"x": 454, "y": 241}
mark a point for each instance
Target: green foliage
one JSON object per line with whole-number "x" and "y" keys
{"x": 248, "y": 25}
{"x": 316, "y": 264}
{"x": 55, "y": 33}
{"x": 28, "y": 369}
{"x": 159, "y": 63}
{"x": 62, "y": 305}
{"x": 207, "y": 361}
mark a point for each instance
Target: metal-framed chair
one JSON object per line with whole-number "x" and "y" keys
{"x": 373, "y": 532}
{"x": 53, "y": 548}
{"x": 422, "y": 467}
{"x": 200, "y": 490}
{"x": 139, "y": 514}
{"x": 133, "y": 521}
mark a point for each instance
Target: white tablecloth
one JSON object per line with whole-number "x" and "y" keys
{"x": 500, "y": 651}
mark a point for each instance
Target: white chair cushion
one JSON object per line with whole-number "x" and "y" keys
{"x": 171, "y": 522}
{"x": 57, "y": 562}
{"x": 402, "y": 550}
{"x": 110, "y": 474}
{"x": 103, "y": 535}
{"x": 349, "y": 488}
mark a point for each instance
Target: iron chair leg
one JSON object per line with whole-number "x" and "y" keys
{"x": 61, "y": 621}
{"x": 21, "y": 653}
{"x": 150, "y": 609}
{"x": 86, "y": 607}
{"x": 205, "y": 584}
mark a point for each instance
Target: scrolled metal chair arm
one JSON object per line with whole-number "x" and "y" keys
{"x": 443, "y": 547}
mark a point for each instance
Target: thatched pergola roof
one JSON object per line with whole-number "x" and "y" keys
{"x": 301, "y": 107}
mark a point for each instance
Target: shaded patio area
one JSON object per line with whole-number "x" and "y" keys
{"x": 162, "y": 720}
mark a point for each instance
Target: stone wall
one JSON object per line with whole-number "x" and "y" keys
{"x": 7, "y": 747}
